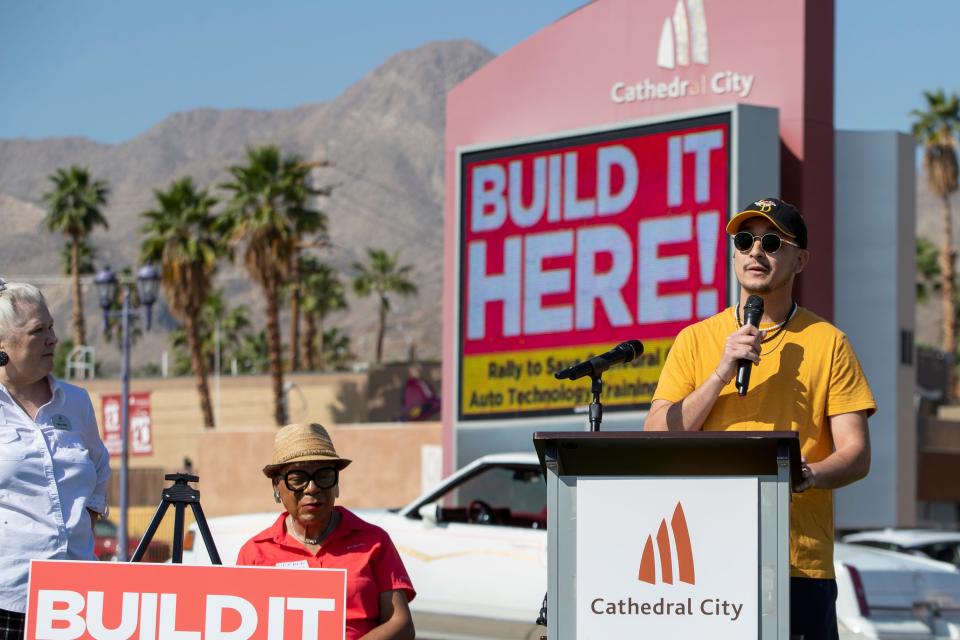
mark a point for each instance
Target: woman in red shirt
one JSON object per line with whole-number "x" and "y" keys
{"x": 312, "y": 532}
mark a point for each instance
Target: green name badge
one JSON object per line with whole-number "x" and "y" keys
{"x": 61, "y": 422}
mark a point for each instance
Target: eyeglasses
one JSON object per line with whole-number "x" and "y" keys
{"x": 769, "y": 242}
{"x": 323, "y": 478}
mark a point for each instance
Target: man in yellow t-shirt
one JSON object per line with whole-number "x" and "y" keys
{"x": 805, "y": 377}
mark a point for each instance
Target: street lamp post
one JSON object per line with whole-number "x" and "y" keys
{"x": 147, "y": 281}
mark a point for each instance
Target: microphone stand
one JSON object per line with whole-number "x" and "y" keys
{"x": 596, "y": 417}
{"x": 596, "y": 408}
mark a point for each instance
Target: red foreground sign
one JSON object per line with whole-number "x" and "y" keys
{"x": 75, "y": 600}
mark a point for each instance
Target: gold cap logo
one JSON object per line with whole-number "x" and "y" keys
{"x": 765, "y": 206}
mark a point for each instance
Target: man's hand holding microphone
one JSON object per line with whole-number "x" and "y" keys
{"x": 742, "y": 348}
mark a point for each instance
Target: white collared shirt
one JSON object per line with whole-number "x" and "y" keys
{"x": 52, "y": 469}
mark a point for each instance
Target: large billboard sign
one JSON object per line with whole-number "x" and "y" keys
{"x": 571, "y": 244}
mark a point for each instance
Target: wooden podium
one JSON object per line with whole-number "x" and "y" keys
{"x": 669, "y": 535}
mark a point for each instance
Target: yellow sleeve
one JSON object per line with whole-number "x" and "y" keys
{"x": 849, "y": 390}
{"x": 677, "y": 379}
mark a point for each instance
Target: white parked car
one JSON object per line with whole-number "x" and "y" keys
{"x": 476, "y": 550}
{"x": 929, "y": 543}
{"x": 889, "y": 595}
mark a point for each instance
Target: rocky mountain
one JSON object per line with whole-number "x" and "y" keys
{"x": 383, "y": 136}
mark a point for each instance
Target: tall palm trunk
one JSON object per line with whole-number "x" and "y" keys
{"x": 199, "y": 368}
{"x": 276, "y": 354}
{"x": 295, "y": 314}
{"x": 382, "y": 329}
{"x": 948, "y": 269}
{"x": 79, "y": 331}
{"x": 309, "y": 343}
{"x": 322, "y": 350}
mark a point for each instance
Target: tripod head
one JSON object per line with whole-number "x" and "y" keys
{"x": 181, "y": 478}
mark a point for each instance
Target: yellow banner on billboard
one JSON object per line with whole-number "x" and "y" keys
{"x": 514, "y": 382}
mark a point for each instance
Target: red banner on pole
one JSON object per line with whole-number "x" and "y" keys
{"x": 79, "y": 600}
{"x": 141, "y": 429}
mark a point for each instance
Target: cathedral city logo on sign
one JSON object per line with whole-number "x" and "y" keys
{"x": 684, "y": 40}
{"x": 682, "y": 550}
{"x": 690, "y": 550}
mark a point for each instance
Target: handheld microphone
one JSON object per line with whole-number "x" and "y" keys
{"x": 752, "y": 312}
{"x": 623, "y": 352}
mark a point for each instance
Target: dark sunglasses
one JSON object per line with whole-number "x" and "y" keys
{"x": 769, "y": 242}
{"x": 323, "y": 478}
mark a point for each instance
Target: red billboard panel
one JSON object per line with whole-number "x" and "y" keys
{"x": 571, "y": 245}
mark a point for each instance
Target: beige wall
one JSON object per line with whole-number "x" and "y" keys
{"x": 230, "y": 456}
{"x": 385, "y": 471}
{"x": 246, "y": 402}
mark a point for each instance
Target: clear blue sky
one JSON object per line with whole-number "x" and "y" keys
{"x": 110, "y": 69}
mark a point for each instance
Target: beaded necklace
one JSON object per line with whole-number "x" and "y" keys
{"x": 775, "y": 329}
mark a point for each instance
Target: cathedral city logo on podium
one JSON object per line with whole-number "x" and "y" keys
{"x": 684, "y": 41}
{"x": 684, "y": 553}
{"x": 667, "y": 556}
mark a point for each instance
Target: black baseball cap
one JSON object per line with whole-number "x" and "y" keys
{"x": 784, "y": 216}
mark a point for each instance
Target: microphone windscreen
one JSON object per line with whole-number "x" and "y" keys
{"x": 753, "y": 310}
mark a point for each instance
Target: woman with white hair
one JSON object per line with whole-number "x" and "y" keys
{"x": 53, "y": 465}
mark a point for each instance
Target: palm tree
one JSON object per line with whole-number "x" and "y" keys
{"x": 323, "y": 293}
{"x": 114, "y": 328}
{"x": 336, "y": 348}
{"x": 306, "y": 221}
{"x": 181, "y": 235}
{"x": 928, "y": 269}
{"x": 382, "y": 276}
{"x": 75, "y": 209}
{"x": 233, "y": 324}
{"x": 255, "y": 353}
{"x": 263, "y": 217}
{"x": 936, "y": 128}
{"x": 86, "y": 258}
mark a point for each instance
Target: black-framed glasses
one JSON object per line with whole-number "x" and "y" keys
{"x": 769, "y": 242}
{"x": 323, "y": 478}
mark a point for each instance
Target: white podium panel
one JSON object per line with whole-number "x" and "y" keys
{"x": 668, "y": 557}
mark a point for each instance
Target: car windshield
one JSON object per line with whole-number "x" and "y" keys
{"x": 943, "y": 551}
{"x": 502, "y": 495}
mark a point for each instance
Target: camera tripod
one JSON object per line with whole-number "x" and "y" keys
{"x": 180, "y": 494}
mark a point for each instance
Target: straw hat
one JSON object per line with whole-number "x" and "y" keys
{"x": 300, "y": 442}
